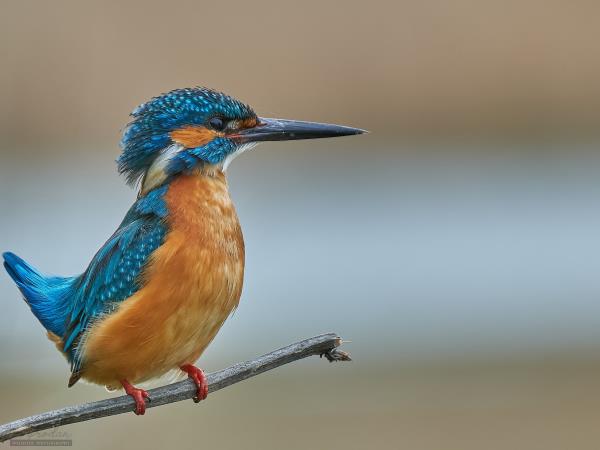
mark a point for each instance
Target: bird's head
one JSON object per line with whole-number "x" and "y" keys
{"x": 188, "y": 128}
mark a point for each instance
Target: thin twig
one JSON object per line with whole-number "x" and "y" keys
{"x": 323, "y": 345}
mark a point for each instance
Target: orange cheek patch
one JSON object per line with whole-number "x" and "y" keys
{"x": 192, "y": 137}
{"x": 249, "y": 123}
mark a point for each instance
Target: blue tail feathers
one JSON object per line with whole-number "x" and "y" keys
{"x": 48, "y": 297}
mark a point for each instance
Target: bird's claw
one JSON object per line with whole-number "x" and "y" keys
{"x": 199, "y": 378}
{"x": 139, "y": 396}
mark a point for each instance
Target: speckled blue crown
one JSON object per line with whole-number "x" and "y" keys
{"x": 148, "y": 132}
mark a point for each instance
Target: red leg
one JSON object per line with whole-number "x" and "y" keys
{"x": 199, "y": 378}
{"x": 139, "y": 395}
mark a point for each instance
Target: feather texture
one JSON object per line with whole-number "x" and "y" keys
{"x": 191, "y": 286}
{"x": 114, "y": 273}
{"x": 47, "y": 296}
{"x": 149, "y": 131}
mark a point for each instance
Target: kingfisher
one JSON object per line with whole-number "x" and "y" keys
{"x": 156, "y": 293}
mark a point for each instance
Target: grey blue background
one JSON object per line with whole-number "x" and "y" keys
{"x": 456, "y": 246}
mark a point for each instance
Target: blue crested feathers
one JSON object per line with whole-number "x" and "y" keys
{"x": 148, "y": 133}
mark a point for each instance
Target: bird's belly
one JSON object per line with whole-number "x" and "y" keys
{"x": 192, "y": 284}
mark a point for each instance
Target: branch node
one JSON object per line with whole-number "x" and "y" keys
{"x": 336, "y": 355}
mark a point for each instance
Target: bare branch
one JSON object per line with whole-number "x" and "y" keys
{"x": 323, "y": 345}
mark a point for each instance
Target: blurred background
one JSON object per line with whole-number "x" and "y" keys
{"x": 457, "y": 245}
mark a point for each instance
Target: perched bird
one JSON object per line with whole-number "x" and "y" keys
{"x": 157, "y": 292}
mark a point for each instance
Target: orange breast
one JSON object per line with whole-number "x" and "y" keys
{"x": 192, "y": 284}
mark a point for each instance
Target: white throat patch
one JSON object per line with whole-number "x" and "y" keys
{"x": 156, "y": 173}
{"x": 241, "y": 149}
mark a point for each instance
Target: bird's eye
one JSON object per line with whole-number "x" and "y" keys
{"x": 217, "y": 123}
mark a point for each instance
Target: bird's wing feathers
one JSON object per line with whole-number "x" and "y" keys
{"x": 114, "y": 273}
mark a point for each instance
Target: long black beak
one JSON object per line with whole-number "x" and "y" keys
{"x": 287, "y": 130}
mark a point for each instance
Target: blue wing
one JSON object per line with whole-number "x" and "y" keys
{"x": 113, "y": 274}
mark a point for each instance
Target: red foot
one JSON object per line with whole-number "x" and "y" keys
{"x": 199, "y": 378}
{"x": 139, "y": 395}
